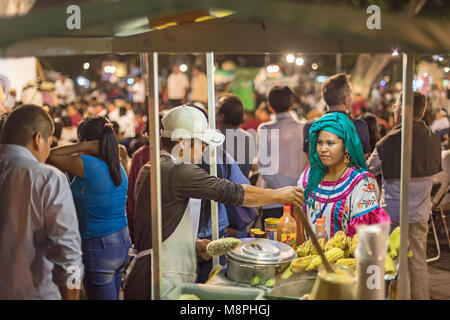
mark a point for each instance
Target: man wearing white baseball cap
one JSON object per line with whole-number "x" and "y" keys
{"x": 184, "y": 136}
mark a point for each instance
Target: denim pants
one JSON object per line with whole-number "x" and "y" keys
{"x": 104, "y": 260}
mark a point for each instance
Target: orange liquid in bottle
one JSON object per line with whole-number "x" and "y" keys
{"x": 287, "y": 227}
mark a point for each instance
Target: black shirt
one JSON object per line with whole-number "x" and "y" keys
{"x": 179, "y": 183}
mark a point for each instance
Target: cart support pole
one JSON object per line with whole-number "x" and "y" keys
{"x": 405, "y": 178}
{"x": 152, "y": 91}
{"x": 212, "y": 149}
{"x": 339, "y": 63}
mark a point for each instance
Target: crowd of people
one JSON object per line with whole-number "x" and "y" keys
{"x": 83, "y": 171}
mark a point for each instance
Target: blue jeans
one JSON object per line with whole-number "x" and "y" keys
{"x": 104, "y": 260}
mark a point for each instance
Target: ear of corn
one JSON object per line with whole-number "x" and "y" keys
{"x": 389, "y": 266}
{"x": 287, "y": 273}
{"x": 340, "y": 240}
{"x": 329, "y": 245}
{"x": 305, "y": 249}
{"x": 298, "y": 265}
{"x": 222, "y": 246}
{"x": 340, "y": 236}
{"x": 394, "y": 242}
{"x": 332, "y": 256}
{"x": 347, "y": 253}
{"x": 348, "y": 262}
{"x": 322, "y": 243}
{"x": 348, "y": 243}
{"x": 353, "y": 245}
{"x": 315, "y": 263}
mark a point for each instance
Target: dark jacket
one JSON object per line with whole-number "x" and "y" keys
{"x": 426, "y": 152}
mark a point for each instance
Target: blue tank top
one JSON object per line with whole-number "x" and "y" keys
{"x": 100, "y": 204}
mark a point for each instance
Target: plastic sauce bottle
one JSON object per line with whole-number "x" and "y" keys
{"x": 320, "y": 229}
{"x": 287, "y": 227}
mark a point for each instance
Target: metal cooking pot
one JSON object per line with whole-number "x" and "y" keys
{"x": 258, "y": 257}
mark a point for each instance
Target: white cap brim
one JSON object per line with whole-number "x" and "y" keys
{"x": 210, "y": 137}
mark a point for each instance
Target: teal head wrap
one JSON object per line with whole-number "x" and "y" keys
{"x": 341, "y": 125}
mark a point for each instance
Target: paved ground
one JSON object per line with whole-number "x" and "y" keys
{"x": 439, "y": 270}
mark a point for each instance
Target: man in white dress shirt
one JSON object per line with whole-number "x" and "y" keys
{"x": 40, "y": 242}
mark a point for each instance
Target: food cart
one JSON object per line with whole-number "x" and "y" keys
{"x": 231, "y": 26}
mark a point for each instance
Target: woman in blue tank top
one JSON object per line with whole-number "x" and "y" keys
{"x": 100, "y": 192}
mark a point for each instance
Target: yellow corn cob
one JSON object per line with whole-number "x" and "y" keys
{"x": 340, "y": 240}
{"x": 222, "y": 246}
{"x": 299, "y": 264}
{"x": 332, "y": 256}
{"x": 322, "y": 243}
{"x": 353, "y": 245}
{"x": 355, "y": 239}
{"x": 329, "y": 245}
{"x": 349, "y": 262}
{"x": 348, "y": 242}
{"x": 394, "y": 242}
{"x": 340, "y": 236}
{"x": 305, "y": 249}
{"x": 315, "y": 263}
{"x": 347, "y": 253}
{"x": 389, "y": 266}
{"x": 287, "y": 273}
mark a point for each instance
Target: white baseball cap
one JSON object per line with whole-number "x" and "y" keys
{"x": 189, "y": 123}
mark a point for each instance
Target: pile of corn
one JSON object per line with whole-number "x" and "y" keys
{"x": 339, "y": 250}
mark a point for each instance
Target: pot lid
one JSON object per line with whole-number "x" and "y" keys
{"x": 262, "y": 251}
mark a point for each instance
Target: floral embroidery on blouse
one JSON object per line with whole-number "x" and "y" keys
{"x": 342, "y": 201}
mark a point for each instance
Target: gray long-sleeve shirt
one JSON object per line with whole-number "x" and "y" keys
{"x": 40, "y": 244}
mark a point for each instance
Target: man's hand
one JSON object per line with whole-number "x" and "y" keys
{"x": 290, "y": 194}
{"x": 200, "y": 247}
{"x": 231, "y": 232}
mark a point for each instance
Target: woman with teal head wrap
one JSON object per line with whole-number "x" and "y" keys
{"x": 337, "y": 185}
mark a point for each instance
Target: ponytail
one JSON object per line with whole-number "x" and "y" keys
{"x": 109, "y": 152}
{"x": 99, "y": 128}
